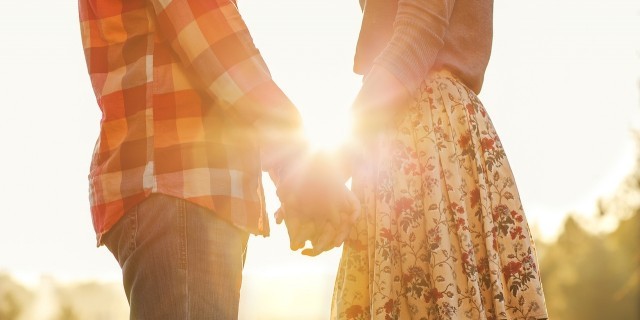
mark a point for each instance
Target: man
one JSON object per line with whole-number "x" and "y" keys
{"x": 190, "y": 118}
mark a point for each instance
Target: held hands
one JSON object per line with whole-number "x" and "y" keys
{"x": 315, "y": 203}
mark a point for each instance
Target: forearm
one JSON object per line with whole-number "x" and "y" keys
{"x": 381, "y": 97}
{"x": 419, "y": 31}
{"x": 214, "y": 44}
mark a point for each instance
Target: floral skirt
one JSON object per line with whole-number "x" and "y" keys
{"x": 442, "y": 233}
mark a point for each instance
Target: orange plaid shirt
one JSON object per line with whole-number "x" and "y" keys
{"x": 189, "y": 109}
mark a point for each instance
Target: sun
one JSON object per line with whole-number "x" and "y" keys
{"x": 325, "y": 110}
{"x": 326, "y": 128}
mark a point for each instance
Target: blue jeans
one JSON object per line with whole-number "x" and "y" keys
{"x": 179, "y": 261}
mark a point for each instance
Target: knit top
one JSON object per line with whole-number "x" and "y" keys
{"x": 410, "y": 38}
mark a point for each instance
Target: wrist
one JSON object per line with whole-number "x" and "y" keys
{"x": 290, "y": 162}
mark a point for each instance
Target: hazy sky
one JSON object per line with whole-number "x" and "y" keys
{"x": 561, "y": 88}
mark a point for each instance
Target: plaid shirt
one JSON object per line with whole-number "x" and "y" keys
{"x": 189, "y": 109}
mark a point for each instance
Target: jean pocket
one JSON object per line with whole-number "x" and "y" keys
{"x": 121, "y": 239}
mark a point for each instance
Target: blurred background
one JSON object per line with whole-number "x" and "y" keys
{"x": 562, "y": 88}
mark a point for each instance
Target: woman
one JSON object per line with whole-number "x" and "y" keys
{"x": 442, "y": 234}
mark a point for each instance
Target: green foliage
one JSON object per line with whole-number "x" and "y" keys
{"x": 14, "y": 298}
{"x": 9, "y": 307}
{"x": 588, "y": 276}
{"x": 67, "y": 313}
{"x": 597, "y": 276}
{"x": 86, "y": 301}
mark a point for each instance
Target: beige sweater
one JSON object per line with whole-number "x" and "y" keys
{"x": 412, "y": 37}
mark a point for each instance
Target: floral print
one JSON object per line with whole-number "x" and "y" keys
{"x": 443, "y": 234}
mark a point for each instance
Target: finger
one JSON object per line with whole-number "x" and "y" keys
{"x": 354, "y": 205}
{"x": 280, "y": 215}
{"x": 287, "y": 192}
{"x": 288, "y": 199}
{"x": 342, "y": 234}
{"x": 310, "y": 252}
{"x": 325, "y": 240}
{"x": 331, "y": 212}
{"x": 300, "y": 235}
{"x": 350, "y": 217}
{"x": 287, "y": 205}
{"x": 299, "y": 227}
{"x": 293, "y": 226}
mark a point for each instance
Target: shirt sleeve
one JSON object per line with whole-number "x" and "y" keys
{"x": 213, "y": 41}
{"x": 419, "y": 30}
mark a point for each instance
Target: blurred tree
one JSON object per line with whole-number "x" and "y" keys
{"x": 624, "y": 243}
{"x": 9, "y": 308}
{"x": 14, "y": 298}
{"x": 92, "y": 301}
{"x": 569, "y": 273}
{"x": 597, "y": 276}
{"x": 67, "y": 313}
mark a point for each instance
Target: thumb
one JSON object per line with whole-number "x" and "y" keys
{"x": 280, "y": 215}
{"x": 354, "y": 206}
{"x": 351, "y": 214}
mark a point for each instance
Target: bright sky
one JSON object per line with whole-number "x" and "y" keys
{"x": 561, "y": 87}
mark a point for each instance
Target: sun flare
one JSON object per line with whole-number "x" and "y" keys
{"x": 327, "y": 124}
{"x": 326, "y": 131}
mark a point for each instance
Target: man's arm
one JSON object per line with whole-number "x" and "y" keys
{"x": 213, "y": 42}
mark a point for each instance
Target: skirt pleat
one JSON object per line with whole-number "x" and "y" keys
{"x": 442, "y": 233}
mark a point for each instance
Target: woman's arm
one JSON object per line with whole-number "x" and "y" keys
{"x": 378, "y": 101}
{"x": 418, "y": 35}
{"x": 419, "y": 30}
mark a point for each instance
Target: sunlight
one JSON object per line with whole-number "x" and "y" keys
{"x": 563, "y": 115}
{"x": 326, "y": 128}
{"x": 286, "y": 297}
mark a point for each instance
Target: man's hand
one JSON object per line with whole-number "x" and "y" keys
{"x": 329, "y": 237}
{"x": 323, "y": 234}
{"x": 315, "y": 204}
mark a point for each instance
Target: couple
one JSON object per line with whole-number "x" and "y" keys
{"x": 434, "y": 228}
